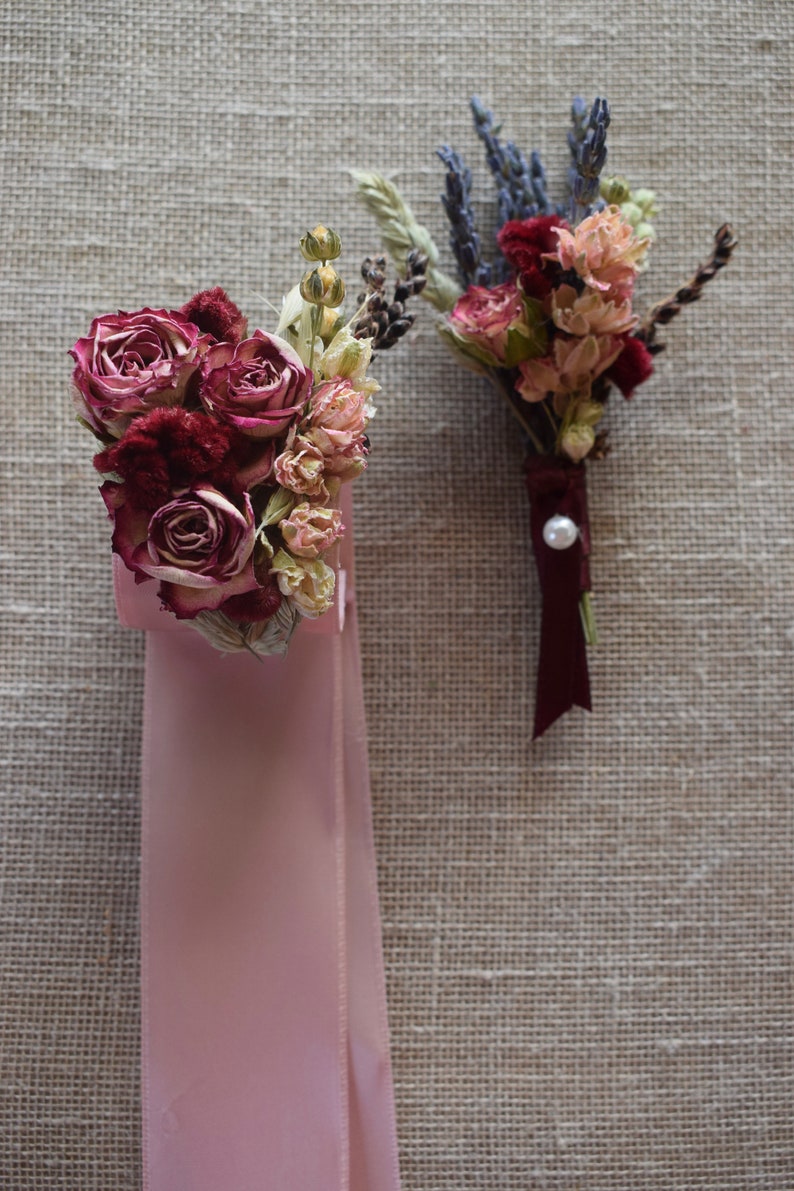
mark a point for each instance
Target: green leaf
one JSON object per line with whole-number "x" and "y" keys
{"x": 536, "y": 321}
{"x": 472, "y": 354}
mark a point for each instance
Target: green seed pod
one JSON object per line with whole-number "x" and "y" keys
{"x": 312, "y": 288}
{"x": 615, "y": 190}
{"x": 321, "y": 244}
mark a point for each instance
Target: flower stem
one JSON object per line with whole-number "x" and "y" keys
{"x": 501, "y": 388}
{"x": 588, "y": 619}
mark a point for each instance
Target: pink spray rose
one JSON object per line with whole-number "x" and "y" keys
{"x": 131, "y": 363}
{"x": 259, "y": 385}
{"x": 301, "y": 466}
{"x": 199, "y": 545}
{"x": 486, "y": 315}
{"x": 311, "y": 529}
{"x": 337, "y": 427}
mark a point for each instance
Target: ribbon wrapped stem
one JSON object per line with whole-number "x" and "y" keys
{"x": 558, "y": 488}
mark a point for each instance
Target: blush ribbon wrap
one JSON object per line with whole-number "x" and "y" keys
{"x": 557, "y": 487}
{"x": 265, "y": 1048}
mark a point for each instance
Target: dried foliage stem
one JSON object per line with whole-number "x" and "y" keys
{"x": 664, "y": 312}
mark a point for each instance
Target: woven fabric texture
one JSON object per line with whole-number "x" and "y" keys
{"x": 588, "y": 940}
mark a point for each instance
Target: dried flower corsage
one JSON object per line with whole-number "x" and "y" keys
{"x": 549, "y": 320}
{"x": 223, "y": 452}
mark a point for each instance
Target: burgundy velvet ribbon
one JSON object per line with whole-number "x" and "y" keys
{"x": 558, "y": 487}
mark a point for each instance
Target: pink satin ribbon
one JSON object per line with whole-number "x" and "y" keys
{"x": 265, "y": 1048}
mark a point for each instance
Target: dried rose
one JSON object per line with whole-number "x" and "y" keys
{"x": 311, "y": 529}
{"x": 632, "y": 367}
{"x": 578, "y": 440}
{"x": 131, "y": 363}
{"x": 301, "y": 467}
{"x": 486, "y": 316}
{"x": 199, "y": 545}
{"x": 259, "y": 386}
{"x": 307, "y": 583}
{"x": 338, "y": 420}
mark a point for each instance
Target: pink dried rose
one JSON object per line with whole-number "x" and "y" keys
{"x": 337, "y": 427}
{"x": 259, "y": 385}
{"x": 310, "y": 530}
{"x": 199, "y": 545}
{"x": 605, "y": 252}
{"x": 301, "y": 467}
{"x": 129, "y": 364}
{"x": 572, "y": 368}
{"x": 485, "y": 316}
{"x": 590, "y": 313}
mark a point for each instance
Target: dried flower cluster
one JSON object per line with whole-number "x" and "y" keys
{"x": 549, "y": 319}
{"x": 223, "y": 452}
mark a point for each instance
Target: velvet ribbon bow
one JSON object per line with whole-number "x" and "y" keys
{"x": 558, "y": 488}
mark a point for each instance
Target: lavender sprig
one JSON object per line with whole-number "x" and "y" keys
{"x": 463, "y": 238}
{"x": 589, "y": 152}
{"x": 580, "y": 114}
{"x": 517, "y": 195}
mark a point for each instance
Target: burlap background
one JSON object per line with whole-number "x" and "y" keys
{"x": 588, "y": 941}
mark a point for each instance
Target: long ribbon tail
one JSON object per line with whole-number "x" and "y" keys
{"x": 556, "y": 487}
{"x": 264, "y": 1038}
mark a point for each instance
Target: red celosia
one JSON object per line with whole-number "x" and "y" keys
{"x": 632, "y": 367}
{"x": 214, "y": 313}
{"x": 166, "y": 450}
{"x": 523, "y": 243}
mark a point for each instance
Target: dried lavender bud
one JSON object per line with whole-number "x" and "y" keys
{"x": 463, "y": 238}
{"x": 589, "y": 153}
{"x": 520, "y": 185}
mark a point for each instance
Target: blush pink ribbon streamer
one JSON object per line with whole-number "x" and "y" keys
{"x": 265, "y": 1048}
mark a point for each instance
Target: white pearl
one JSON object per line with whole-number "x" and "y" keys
{"x": 560, "y": 532}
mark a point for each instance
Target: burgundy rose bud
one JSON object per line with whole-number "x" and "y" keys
{"x": 131, "y": 363}
{"x": 214, "y": 313}
{"x": 254, "y": 606}
{"x": 169, "y": 449}
{"x": 260, "y": 386}
{"x": 523, "y": 243}
{"x": 632, "y": 367}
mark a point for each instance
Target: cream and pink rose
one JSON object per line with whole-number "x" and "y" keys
{"x": 337, "y": 427}
{"x": 199, "y": 545}
{"x": 259, "y": 386}
{"x": 306, "y": 582}
{"x": 310, "y": 530}
{"x": 486, "y": 316}
{"x": 129, "y": 364}
{"x": 301, "y": 467}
